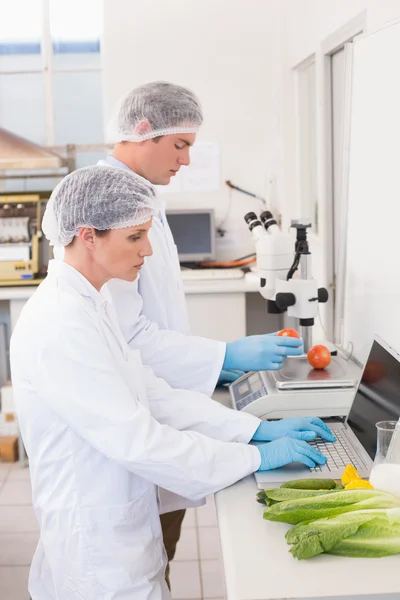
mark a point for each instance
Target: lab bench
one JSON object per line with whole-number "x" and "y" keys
{"x": 257, "y": 563}
{"x": 222, "y": 309}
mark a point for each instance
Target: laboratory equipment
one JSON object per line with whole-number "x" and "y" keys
{"x": 296, "y": 389}
{"x": 376, "y": 399}
{"x": 298, "y": 296}
{"x": 385, "y": 474}
{"x": 194, "y": 234}
{"x": 20, "y": 232}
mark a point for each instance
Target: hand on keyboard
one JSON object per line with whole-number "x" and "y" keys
{"x": 306, "y": 428}
{"x": 339, "y": 454}
{"x": 288, "y": 450}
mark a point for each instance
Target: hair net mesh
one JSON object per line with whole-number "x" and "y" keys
{"x": 101, "y": 197}
{"x": 152, "y": 110}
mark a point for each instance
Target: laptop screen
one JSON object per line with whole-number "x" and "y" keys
{"x": 377, "y": 397}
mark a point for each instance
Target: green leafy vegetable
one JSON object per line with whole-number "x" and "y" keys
{"x": 329, "y": 504}
{"x": 368, "y": 533}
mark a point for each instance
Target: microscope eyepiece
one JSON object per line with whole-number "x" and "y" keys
{"x": 267, "y": 219}
{"x": 252, "y": 220}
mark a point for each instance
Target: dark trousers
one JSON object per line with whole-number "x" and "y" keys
{"x": 171, "y": 524}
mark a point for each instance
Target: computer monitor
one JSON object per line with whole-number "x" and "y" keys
{"x": 378, "y": 394}
{"x": 194, "y": 234}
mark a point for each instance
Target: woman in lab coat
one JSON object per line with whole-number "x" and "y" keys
{"x": 99, "y": 434}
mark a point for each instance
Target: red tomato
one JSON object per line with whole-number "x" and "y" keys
{"x": 289, "y": 333}
{"x": 319, "y": 357}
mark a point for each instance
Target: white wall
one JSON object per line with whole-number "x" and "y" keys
{"x": 227, "y": 53}
{"x": 238, "y": 56}
{"x": 304, "y": 26}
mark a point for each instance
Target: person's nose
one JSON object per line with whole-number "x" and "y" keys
{"x": 184, "y": 158}
{"x": 147, "y": 249}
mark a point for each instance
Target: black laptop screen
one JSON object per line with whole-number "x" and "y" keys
{"x": 377, "y": 397}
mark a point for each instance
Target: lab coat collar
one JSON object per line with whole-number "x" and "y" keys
{"x": 114, "y": 162}
{"x": 60, "y": 269}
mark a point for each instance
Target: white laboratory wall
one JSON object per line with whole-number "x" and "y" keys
{"x": 304, "y": 26}
{"x": 239, "y": 57}
{"x": 227, "y": 52}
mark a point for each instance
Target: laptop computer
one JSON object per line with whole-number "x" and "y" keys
{"x": 377, "y": 398}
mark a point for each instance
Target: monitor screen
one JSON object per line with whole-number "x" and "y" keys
{"x": 377, "y": 397}
{"x": 193, "y": 234}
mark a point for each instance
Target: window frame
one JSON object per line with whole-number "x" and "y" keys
{"x": 47, "y": 69}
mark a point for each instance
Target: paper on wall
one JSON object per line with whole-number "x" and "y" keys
{"x": 203, "y": 173}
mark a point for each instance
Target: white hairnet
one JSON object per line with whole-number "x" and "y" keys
{"x": 152, "y": 110}
{"x": 101, "y": 197}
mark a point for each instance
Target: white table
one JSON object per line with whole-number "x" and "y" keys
{"x": 217, "y": 309}
{"x": 258, "y": 565}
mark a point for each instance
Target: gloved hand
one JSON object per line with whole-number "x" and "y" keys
{"x": 261, "y": 352}
{"x": 287, "y": 450}
{"x": 228, "y": 376}
{"x": 299, "y": 428}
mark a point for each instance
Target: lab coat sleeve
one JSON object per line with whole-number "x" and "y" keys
{"x": 186, "y": 410}
{"x": 183, "y": 361}
{"x": 79, "y": 380}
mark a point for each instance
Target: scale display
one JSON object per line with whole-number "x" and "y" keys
{"x": 248, "y": 389}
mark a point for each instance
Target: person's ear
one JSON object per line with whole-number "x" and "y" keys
{"x": 143, "y": 128}
{"x": 87, "y": 236}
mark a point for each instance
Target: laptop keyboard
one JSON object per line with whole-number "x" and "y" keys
{"x": 339, "y": 454}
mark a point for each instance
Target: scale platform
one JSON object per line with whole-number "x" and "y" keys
{"x": 298, "y": 390}
{"x": 297, "y": 374}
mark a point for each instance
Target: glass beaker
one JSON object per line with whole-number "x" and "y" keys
{"x": 385, "y": 474}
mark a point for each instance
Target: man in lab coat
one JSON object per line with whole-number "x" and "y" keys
{"x": 154, "y": 127}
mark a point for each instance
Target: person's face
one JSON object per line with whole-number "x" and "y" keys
{"x": 120, "y": 253}
{"x": 162, "y": 159}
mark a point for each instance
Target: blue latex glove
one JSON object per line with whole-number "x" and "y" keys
{"x": 229, "y": 376}
{"x": 261, "y": 352}
{"x": 287, "y": 450}
{"x": 299, "y": 428}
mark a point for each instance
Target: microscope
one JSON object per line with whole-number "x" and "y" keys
{"x": 277, "y": 266}
{"x": 287, "y": 284}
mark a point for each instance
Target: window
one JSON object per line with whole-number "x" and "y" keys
{"x": 50, "y": 73}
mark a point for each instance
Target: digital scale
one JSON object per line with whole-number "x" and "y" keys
{"x": 298, "y": 390}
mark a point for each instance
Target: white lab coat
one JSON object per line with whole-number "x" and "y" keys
{"x": 153, "y": 317}
{"x": 102, "y": 433}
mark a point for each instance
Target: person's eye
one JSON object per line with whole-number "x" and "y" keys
{"x": 179, "y": 147}
{"x": 134, "y": 238}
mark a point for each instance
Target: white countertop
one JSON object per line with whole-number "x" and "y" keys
{"x": 21, "y": 292}
{"x": 258, "y": 565}
{"x": 249, "y": 283}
